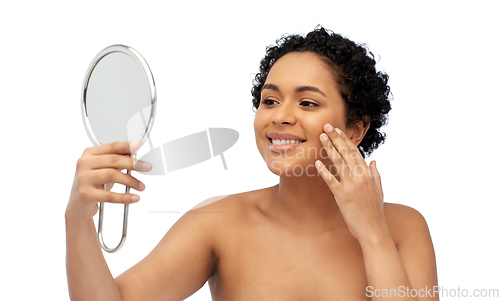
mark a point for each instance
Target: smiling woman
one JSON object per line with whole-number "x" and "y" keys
{"x": 364, "y": 91}
{"x": 323, "y": 232}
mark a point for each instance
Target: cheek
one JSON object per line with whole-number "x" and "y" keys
{"x": 315, "y": 130}
{"x": 258, "y": 117}
{"x": 261, "y": 120}
{"x": 259, "y": 126}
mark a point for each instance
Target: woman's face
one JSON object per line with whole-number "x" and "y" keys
{"x": 298, "y": 98}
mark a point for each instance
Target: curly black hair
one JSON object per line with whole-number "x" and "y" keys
{"x": 364, "y": 89}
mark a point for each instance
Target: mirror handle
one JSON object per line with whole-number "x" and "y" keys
{"x": 124, "y": 227}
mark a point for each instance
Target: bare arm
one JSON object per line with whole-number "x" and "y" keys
{"x": 180, "y": 264}
{"x": 88, "y": 274}
{"x": 357, "y": 189}
{"x": 406, "y": 271}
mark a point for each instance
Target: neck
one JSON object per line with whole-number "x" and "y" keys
{"x": 305, "y": 204}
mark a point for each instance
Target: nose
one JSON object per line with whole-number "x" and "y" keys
{"x": 284, "y": 114}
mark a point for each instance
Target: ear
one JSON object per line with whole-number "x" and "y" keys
{"x": 357, "y": 132}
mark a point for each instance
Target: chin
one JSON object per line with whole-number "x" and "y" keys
{"x": 292, "y": 168}
{"x": 295, "y": 163}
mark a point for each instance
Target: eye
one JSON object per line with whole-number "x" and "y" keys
{"x": 306, "y": 103}
{"x": 268, "y": 101}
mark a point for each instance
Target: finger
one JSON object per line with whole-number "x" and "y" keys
{"x": 338, "y": 143}
{"x": 329, "y": 179}
{"x": 346, "y": 148}
{"x": 119, "y": 162}
{"x": 341, "y": 168}
{"x": 100, "y": 195}
{"x": 110, "y": 175}
{"x": 376, "y": 175}
{"x": 120, "y": 147}
{"x": 109, "y": 186}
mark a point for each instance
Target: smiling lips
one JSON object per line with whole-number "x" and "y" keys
{"x": 281, "y": 142}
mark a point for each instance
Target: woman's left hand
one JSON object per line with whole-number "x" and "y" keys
{"x": 356, "y": 187}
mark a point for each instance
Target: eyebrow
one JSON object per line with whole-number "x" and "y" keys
{"x": 298, "y": 90}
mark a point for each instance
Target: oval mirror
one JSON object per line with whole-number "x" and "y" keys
{"x": 118, "y": 104}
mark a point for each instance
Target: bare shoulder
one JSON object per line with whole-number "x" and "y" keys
{"x": 399, "y": 212}
{"x": 187, "y": 256}
{"x": 412, "y": 238}
{"x": 403, "y": 220}
{"x": 231, "y": 205}
{"x": 219, "y": 204}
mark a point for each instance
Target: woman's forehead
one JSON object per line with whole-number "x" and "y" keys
{"x": 299, "y": 69}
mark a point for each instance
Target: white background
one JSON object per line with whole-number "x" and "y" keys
{"x": 443, "y": 63}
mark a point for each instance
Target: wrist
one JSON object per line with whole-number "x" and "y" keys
{"x": 376, "y": 239}
{"x": 75, "y": 218}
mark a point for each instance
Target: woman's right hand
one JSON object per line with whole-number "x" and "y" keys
{"x": 102, "y": 165}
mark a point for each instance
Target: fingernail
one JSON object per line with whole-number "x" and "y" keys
{"x": 329, "y": 128}
{"x": 142, "y": 186}
{"x": 318, "y": 163}
{"x": 338, "y": 131}
{"x": 135, "y": 198}
{"x": 323, "y": 137}
{"x": 143, "y": 166}
{"x": 135, "y": 145}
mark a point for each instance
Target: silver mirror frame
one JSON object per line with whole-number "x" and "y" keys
{"x": 132, "y": 53}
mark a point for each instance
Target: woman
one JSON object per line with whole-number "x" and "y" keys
{"x": 322, "y": 233}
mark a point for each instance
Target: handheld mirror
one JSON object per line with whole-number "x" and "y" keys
{"x": 118, "y": 104}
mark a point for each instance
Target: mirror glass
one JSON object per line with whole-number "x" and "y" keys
{"x": 118, "y": 97}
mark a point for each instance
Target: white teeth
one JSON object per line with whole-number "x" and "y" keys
{"x": 286, "y": 142}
